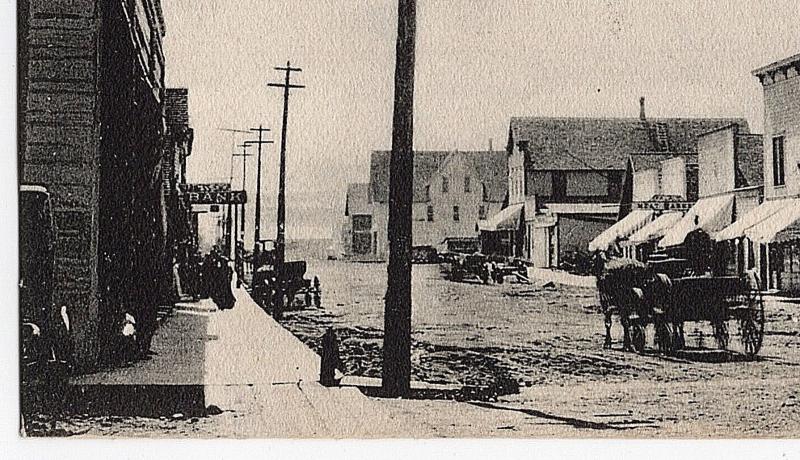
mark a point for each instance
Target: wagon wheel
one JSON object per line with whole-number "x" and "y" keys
{"x": 664, "y": 337}
{"x": 721, "y": 334}
{"x": 638, "y": 337}
{"x": 751, "y": 324}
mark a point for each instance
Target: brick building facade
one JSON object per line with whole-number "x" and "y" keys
{"x": 179, "y": 137}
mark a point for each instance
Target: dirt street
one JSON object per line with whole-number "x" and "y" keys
{"x": 532, "y": 362}
{"x": 548, "y": 340}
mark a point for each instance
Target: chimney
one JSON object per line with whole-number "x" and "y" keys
{"x": 641, "y": 109}
{"x": 490, "y": 145}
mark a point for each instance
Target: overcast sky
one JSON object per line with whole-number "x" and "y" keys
{"x": 478, "y": 64}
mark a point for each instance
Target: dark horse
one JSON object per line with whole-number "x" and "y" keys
{"x": 638, "y": 295}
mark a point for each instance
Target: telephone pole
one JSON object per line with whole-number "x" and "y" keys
{"x": 280, "y": 243}
{"x": 396, "y": 375}
{"x": 233, "y": 210}
{"x": 261, "y": 130}
{"x": 244, "y": 156}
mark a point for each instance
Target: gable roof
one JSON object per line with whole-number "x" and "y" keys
{"x": 606, "y": 143}
{"x": 357, "y": 201}
{"x": 491, "y": 168}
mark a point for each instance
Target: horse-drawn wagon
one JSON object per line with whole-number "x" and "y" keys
{"x": 641, "y": 297}
{"x": 290, "y": 282}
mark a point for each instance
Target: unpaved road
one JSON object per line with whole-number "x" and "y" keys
{"x": 549, "y": 341}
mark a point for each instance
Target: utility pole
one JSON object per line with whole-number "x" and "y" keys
{"x": 261, "y": 130}
{"x": 244, "y": 156}
{"x": 396, "y": 378}
{"x": 280, "y": 243}
{"x": 234, "y": 208}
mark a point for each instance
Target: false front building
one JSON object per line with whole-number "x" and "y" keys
{"x": 769, "y": 234}
{"x": 565, "y": 176}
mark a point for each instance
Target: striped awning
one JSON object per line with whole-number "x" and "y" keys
{"x": 655, "y": 229}
{"x": 621, "y": 229}
{"x": 756, "y": 215}
{"x": 710, "y": 214}
{"x": 783, "y": 225}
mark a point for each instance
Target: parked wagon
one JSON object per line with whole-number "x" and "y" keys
{"x": 469, "y": 266}
{"x": 297, "y": 290}
{"x": 642, "y": 297}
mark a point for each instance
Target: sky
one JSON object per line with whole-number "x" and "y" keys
{"x": 478, "y": 63}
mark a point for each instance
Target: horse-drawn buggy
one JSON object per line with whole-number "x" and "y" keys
{"x": 461, "y": 267}
{"x": 290, "y": 282}
{"x": 643, "y": 295}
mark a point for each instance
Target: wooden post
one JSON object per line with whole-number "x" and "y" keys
{"x": 280, "y": 238}
{"x": 397, "y": 315}
{"x": 261, "y": 130}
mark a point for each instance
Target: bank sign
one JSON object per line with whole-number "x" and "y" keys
{"x": 219, "y": 193}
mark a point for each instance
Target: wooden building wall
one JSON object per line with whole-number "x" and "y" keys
{"x": 58, "y": 147}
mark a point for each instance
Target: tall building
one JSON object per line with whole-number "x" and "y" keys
{"x": 776, "y": 223}
{"x": 181, "y": 238}
{"x": 91, "y": 124}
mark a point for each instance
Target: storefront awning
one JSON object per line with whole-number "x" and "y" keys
{"x": 655, "y": 229}
{"x": 506, "y": 219}
{"x": 710, "y": 214}
{"x": 622, "y": 229}
{"x": 782, "y": 226}
{"x": 756, "y": 215}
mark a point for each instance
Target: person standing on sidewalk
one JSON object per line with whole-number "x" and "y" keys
{"x": 221, "y": 278}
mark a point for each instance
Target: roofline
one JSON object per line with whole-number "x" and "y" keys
{"x": 721, "y": 128}
{"x": 787, "y": 62}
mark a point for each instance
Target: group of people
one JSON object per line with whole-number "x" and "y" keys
{"x": 209, "y": 277}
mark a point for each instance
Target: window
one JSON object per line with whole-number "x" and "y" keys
{"x": 362, "y": 223}
{"x": 427, "y": 192}
{"x": 466, "y": 184}
{"x": 778, "y": 161}
{"x": 445, "y": 184}
{"x": 430, "y": 213}
{"x": 362, "y": 242}
{"x": 455, "y": 214}
{"x": 482, "y": 212}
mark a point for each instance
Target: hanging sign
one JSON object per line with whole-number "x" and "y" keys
{"x": 212, "y": 194}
